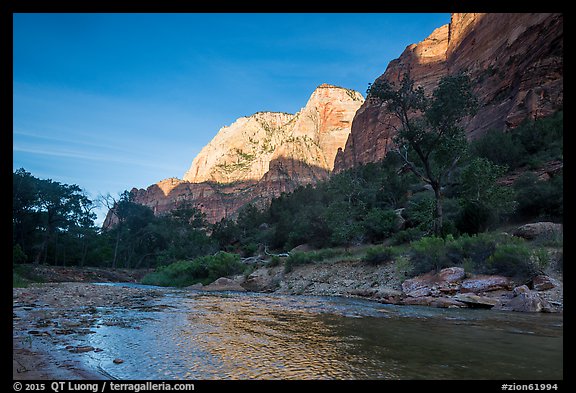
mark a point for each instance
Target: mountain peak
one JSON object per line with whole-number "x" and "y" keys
{"x": 242, "y": 151}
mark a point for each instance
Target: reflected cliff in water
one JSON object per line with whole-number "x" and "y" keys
{"x": 255, "y": 336}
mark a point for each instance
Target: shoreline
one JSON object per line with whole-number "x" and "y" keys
{"x": 50, "y": 319}
{"x": 39, "y": 364}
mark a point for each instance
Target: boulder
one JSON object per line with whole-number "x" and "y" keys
{"x": 537, "y": 229}
{"x": 476, "y": 301}
{"x": 261, "y": 280}
{"x": 196, "y": 287}
{"x": 543, "y": 282}
{"x": 301, "y": 248}
{"x": 445, "y": 281}
{"x": 484, "y": 283}
{"x": 525, "y": 300}
{"x": 451, "y": 274}
{"x": 447, "y": 302}
{"x": 419, "y": 286}
{"x": 224, "y": 284}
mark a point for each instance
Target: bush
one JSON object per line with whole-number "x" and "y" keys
{"x": 18, "y": 255}
{"x": 304, "y": 258}
{"x": 274, "y": 261}
{"x": 474, "y": 217}
{"x": 512, "y": 260}
{"x": 249, "y": 249}
{"x": 499, "y": 147}
{"x": 379, "y": 254}
{"x": 200, "y": 270}
{"x": 18, "y": 281}
{"x": 403, "y": 267}
{"x": 407, "y": 235}
{"x": 540, "y": 199}
{"x": 379, "y": 223}
{"x": 428, "y": 253}
{"x": 475, "y": 250}
{"x": 296, "y": 259}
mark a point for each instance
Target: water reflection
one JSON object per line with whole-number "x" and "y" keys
{"x": 255, "y": 336}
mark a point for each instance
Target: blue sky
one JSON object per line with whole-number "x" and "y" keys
{"x": 115, "y": 101}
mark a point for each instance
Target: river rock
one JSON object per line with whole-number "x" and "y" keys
{"x": 525, "y": 300}
{"x": 417, "y": 301}
{"x": 80, "y": 349}
{"x": 447, "y": 302}
{"x": 543, "y": 282}
{"x": 484, "y": 283}
{"x": 537, "y": 229}
{"x": 224, "y": 284}
{"x": 261, "y": 280}
{"x": 477, "y": 301}
{"x": 196, "y": 287}
{"x": 387, "y": 295}
{"x": 419, "y": 286}
{"x": 440, "y": 302}
{"x": 451, "y": 274}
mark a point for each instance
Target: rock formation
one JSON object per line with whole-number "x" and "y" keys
{"x": 260, "y": 156}
{"x": 514, "y": 60}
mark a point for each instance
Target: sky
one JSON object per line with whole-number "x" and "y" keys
{"x": 115, "y": 101}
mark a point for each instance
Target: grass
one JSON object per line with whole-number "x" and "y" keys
{"x": 18, "y": 281}
{"x": 202, "y": 270}
{"x": 492, "y": 252}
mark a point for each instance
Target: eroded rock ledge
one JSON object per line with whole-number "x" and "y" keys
{"x": 451, "y": 287}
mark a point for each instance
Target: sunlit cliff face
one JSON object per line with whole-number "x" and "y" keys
{"x": 260, "y": 156}
{"x": 515, "y": 63}
{"x": 243, "y": 151}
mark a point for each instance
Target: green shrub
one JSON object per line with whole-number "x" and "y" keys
{"x": 18, "y": 281}
{"x": 297, "y": 259}
{"x": 18, "y": 255}
{"x": 407, "y": 235}
{"x": 499, "y": 147}
{"x": 512, "y": 260}
{"x": 203, "y": 270}
{"x": 249, "y": 249}
{"x": 274, "y": 261}
{"x": 540, "y": 199}
{"x": 304, "y": 258}
{"x": 475, "y": 249}
{"x": 222, "y": 264}
{"x": 403, "y": 267}
{"x": 541, "y": 258}
{"x": 379, "y": 254}
{"x": 428, "y": 253}
{"x": 379, "y": 223}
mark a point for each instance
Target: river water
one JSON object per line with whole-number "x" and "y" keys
{"x": 199, "y": 335}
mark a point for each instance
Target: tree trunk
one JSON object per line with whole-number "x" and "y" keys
{"x": 116, "y": 247}
{"x": 437, "y": 225}
{"x": 84, "y": 252}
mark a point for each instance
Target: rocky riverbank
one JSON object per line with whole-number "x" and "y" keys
{"x": 49, "y": 318}
{"x": 451, "y": 287}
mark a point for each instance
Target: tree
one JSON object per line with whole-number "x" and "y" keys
{"x": 46, "y": 213}
{"x": 429, "y": 139}
{"x": 482, "y": 198}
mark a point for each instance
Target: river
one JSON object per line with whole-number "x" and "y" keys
{"x": 229, "y": 335}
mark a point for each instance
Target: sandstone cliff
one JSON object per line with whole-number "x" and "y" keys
{"x": 260, "y": 156}
{"x": 514, "y": 60}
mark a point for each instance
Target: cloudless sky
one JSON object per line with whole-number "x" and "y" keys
{"x": 115, "y": 101}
